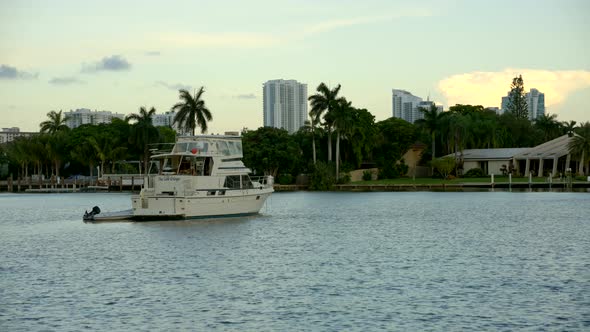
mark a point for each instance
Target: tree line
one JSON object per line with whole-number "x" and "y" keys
{"x": 337, "y": 138}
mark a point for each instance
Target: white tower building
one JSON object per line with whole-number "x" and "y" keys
{"x": 284, "y": 104}
{"x": 406, "y": 106}
{"x": 83, "y": 116}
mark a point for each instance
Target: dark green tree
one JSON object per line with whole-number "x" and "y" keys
{"x": 568, "y": 127}
{"x": 56, "y": 123}
{"x": 394, "y": 138}
{"x": 271, "y": 151}
{"x": 192, "y": 112}
{"x": 579, "y": 146}
{"x": 143, "y": 133}
{"x": 432, "y": 122}
{"x": 322, "y": 103}
{"x": 517, "y": 103}
{"x": 548, "y": 126}
{"x": 343, "y": 120}
{"x": 363, "y": 135}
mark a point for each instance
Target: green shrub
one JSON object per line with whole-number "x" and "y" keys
{"x": 444, "y": 166}
{"x": 344, "y": 179}
{"x": 393, "y": 170}
{"x": 475, "y": 173}
{"x": 285, "y": 179}
{"x": 367, "y": 175}
{"x": 322, "y": 177}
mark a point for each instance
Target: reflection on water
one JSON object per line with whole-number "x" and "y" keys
{"x": 311, "y": 261}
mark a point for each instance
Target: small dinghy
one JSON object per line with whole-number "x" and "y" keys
{"x": 93, "y": 216}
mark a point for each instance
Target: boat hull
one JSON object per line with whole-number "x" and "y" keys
{"x": 243, "y": 203}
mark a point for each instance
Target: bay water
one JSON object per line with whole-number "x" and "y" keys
{"x": 392, "y": 261}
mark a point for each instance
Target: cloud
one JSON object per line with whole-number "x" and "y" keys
{"x": 341, "y": 23}
{"x": 176, "y": 87}
{"x": 214, "y": 40}
{"x": 152, "y": 53}
{"x": 11, "y": 73}
{"x": 112, "y": 63}
{"x": 487, "y": 88}
{"x": 65, "y": 81}
{"x": 246, "y": 96}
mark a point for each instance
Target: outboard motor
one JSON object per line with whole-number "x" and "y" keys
{"x": 89, "y": 216}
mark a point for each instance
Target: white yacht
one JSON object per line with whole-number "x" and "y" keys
{"x": 201, "y": 177}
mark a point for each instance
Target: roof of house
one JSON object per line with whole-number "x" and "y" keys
{"x": 491, "y": 154}
{"x": 553, "y": 149}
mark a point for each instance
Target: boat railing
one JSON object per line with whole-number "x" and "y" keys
{"x": 264, "y": 180}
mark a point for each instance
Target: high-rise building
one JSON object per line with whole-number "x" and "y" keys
{"x": 167, "y": 120}
{"x": 535, "y": 102}
{"x": 85, "y": 116}
{"x": 284, "y": 104}
{"x": 406, "y": 106}
{"x": 9, "y": 134}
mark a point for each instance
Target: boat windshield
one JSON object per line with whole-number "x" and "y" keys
{"x": 192, "y": 147}
{"x": 228, "y": 148}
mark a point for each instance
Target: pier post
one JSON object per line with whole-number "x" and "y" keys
{"x": 18, "y": 184}
{"x": 492, "y": 180}
{"x": 132, "y": 183}
{"x": 121, "y": 183}
{"x": 10, "y": 184}
{"x": 510, "y": 181}
{"x": 29, "y": 182}
{"x": 550, "y": 180}
{"x": 530, "y": 179}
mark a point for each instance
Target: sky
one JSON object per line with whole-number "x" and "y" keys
{"x": 121, "y": 55}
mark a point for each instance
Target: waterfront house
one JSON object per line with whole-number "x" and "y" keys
{"x": 551, "y": 157}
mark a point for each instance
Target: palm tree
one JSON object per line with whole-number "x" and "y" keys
{"x": 549, "y": 126}
{"x": 568, "y": 127}
{"x": 57, "y": 150}
{"x": 55, "y": 123}
{"x": 432, "y": 122}
{"x": 107, "y": 149}
{"x": 580, "y": 145}
{"x": 85, "y": 154}
{"x": 322, "y": 103}
{"x": 143, "y": 132}
{"x": 192, "y": 112}
{"x": 342, "y": 116}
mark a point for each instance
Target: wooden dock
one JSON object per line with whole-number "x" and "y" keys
{"x": 62, "y": 185}
{"x": 118, "y": 185}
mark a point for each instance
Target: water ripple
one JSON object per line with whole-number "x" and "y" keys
{"x": 314, "y": 261}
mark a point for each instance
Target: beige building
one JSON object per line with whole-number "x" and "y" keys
{"x": 9, "y": 134}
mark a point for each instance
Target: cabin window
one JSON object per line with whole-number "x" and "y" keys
{"x": 211, "y": 193}
{"x": 200, "y": 147}
{"x": 246, "y": 182}
{"x": 221, "y": 193}
{"x": 235, "y": 148}
{"x": 232, "y": 182}
{"x": 181, "y": 147}
{"x": 223, "y": 148}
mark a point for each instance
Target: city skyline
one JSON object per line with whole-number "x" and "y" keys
{"x": 118, "y": 56}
